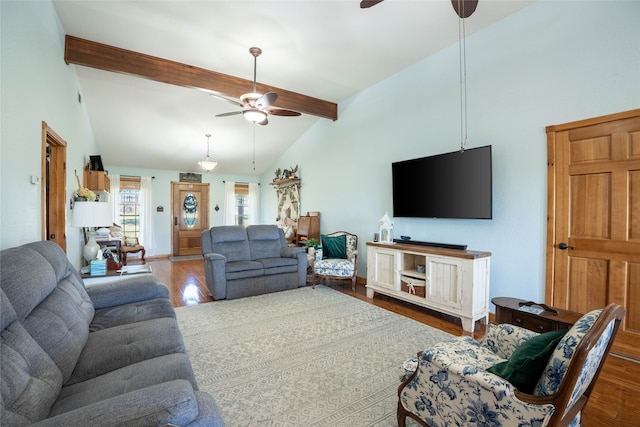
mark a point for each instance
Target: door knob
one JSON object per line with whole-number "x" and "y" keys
{"x": 563, "y": 246}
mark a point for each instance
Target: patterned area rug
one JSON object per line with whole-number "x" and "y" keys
{"x": 304, "y": 357}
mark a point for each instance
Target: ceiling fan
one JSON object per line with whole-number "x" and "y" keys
{"x": 464, "y": 8}
{"x": 255, "y": 106}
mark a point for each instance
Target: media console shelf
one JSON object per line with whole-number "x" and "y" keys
{"x": 451, "y": 281}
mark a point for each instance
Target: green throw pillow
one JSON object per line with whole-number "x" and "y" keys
{"x": 525, "y": 366}
{"x": 334, "y": 246}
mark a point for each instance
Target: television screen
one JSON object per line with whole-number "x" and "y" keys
{"x": 451, "y": 185}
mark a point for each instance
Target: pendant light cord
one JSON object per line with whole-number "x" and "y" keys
{"x": 254, "y": 147}
{"x": 463, "y": 77}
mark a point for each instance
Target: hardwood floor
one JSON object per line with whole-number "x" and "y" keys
{"x": 613, "y": 402}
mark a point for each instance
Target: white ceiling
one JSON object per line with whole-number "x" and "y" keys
{"x": 325, "y": 49}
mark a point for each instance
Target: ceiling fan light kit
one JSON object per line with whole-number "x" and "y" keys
{"x": 208, "y": 164}
{"x": 256, "y": 116}
{"x": 256, "y": 106}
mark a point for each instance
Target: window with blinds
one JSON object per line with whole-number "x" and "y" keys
{"x": 130, "y": 206}
{"x": 242, "y": 204}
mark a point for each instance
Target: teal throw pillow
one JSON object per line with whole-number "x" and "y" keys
{"x": 525, "y": 366}
{"x": 334, "y": 246}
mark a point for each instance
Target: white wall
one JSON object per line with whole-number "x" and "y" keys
{"x": 36, "y": 86}
{"x": 551, "y": 63}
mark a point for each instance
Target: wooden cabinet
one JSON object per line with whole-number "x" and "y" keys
{"x": 308, "y": 227}
{"x": 510, "y": 310}
{"x": 455, "y": 282}
{"x": 96, "y": 180}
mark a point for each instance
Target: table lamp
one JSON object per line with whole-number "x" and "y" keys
{"x": 91, "y": 215}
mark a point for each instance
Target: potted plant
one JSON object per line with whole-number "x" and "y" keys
{"x": 311, "y": 244}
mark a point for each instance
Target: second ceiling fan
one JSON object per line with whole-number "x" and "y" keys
{"x": 255, "y": 106}
{"x": 464, "y": 8}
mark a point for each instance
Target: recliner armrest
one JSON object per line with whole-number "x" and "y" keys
{"x": 134, "y": 289}
{"x": 213, "y": 256}
{"x": 291, "y": 251}
{"x": 173, "y": 402}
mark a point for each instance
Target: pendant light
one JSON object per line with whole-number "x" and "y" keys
{"x": 207, "y": 164}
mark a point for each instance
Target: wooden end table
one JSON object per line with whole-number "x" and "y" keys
{"x": 510, "y": 310}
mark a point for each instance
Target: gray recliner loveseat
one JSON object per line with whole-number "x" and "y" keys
{"x": 241, "y": 262}
{"x": 106, "y": 355}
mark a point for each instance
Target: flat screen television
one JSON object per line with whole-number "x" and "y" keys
{"x": 450, "y": 185}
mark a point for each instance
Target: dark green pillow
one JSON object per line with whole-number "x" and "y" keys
{"x": 525, "y": 366}
{"x": 334, "y": 246}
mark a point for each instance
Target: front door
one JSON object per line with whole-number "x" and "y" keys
{"x": 593, "y": 234}
{"x": 190, "y": 213}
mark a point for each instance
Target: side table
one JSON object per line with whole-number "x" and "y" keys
{"x": 516, "y": 312}
{"x": 126, "y": 272}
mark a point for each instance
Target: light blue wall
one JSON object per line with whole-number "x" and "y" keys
{"x": 551, "y": 63}
{"x": 161, "y": 196}
{"x": 36, "y": 86}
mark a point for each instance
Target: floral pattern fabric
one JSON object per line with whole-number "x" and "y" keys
{"x": 451, "y": 386}
{"x": 553, "y": 373}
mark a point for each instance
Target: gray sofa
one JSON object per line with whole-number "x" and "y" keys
{"x": 241, "y": 262}
{"x": 105, "y": 355}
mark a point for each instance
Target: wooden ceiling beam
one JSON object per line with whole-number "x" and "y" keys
{"x": 109, "y": 58}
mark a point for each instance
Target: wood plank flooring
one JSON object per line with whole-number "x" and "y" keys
{"x": 613, "y": 402}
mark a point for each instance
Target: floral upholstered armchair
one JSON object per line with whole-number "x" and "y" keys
{"x": 453, "y": 384}
{"x": 337, "y": 258}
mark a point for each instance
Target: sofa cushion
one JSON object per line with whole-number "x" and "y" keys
{"x": 50, "y": 300}
{"x": 124, "y": 314}
{"x": 30, "y": 380}
{"x": 265, "y": 241}
{"x": 172, "y": 403}
{"x": 230, "y": 241}
{"x": 524, "y": 367}
{"x": 243, "y": 270}
{"x": 119, "y": 346}
{"x": 129, "y": 378}
{"x": 279, "y": 265}
{"x": 334, "y": 267}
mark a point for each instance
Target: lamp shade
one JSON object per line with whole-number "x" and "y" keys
{"x": 91, "y": 214}
{"x": 254, "y": 115}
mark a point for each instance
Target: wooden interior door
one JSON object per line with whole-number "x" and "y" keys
{"x": 53, "y": 183}
{"x": 190, "y": 213}
{"x": 593, "y": 234}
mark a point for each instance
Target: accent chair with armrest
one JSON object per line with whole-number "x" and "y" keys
{"x": 337, "y": 258}
{"x": 452, "y": 383}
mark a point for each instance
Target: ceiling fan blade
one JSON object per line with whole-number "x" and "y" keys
{"x": 275, "y": 111}
{"x": 232, "y": 113}
{"x": 464, "y": 8}
{"x": 224, "y": 98}
{"x": 266, "y": 100}
{"x": 365, "y": 4}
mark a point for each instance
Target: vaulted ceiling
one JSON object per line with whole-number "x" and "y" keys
{"x": 324, "y": 50}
